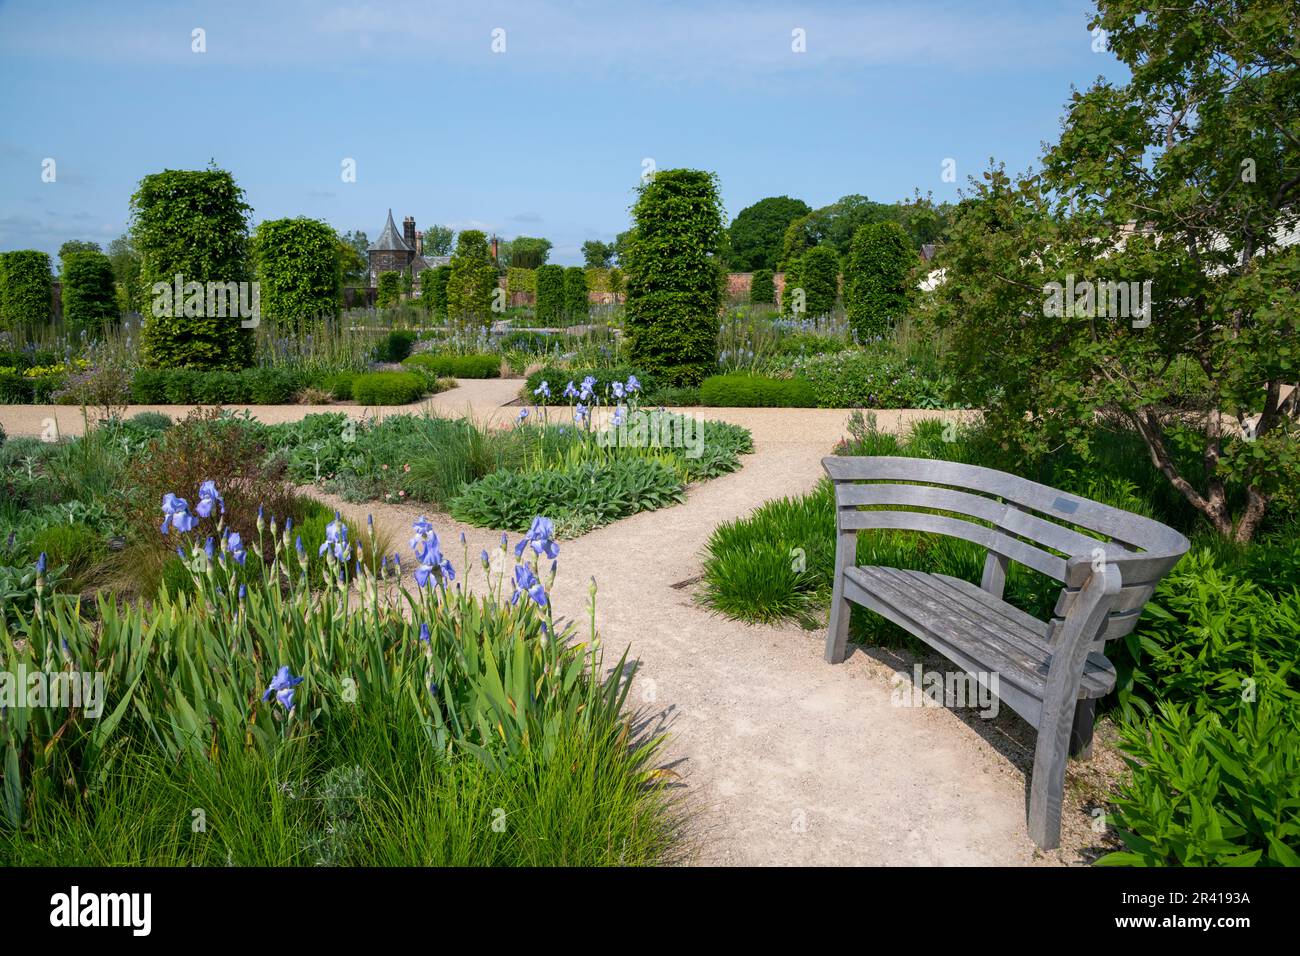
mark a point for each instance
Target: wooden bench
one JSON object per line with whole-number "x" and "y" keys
{"x": 1049, "y": 672}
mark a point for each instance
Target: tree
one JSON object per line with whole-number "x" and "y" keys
{"x": 674, "y": 280}
{"x": 89, "y": 292}
{"x": 794, "y": 300}
{"x": 388, "y": 291}
{"x": 615, "y": 280}
{"x": 438, "y": 240}
{"x": 576, "y": 304}
{"x": 525, "y": 252}
{"x": 622, "y": 243}
{"x": 757, "y": 233}
{"x": 762, "y": 288}
{"x": 597, "y": 254}
{"x": 193, "y": 224}
{"x": 354, "y": 267}
{"x": 472, "y": 279}
{"x": 877, "y": 280}
{"x": 73, "y": 246}
{"x": 298, "y": 268}
{"x": 819, "y": 272}
{"x": 26, "y": 290}
{"x": 833, "y": 225}
{"x": 1166, "y": 199}
{"x": 550, "y": 295}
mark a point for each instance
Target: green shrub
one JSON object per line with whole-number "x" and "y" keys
{"x": 251, "y": 386}
{"x": 395, "y": 346}
{"x": 75, "y": 547}
{"x": 388, "y": 388}
{"x": 576, "y": 304}
{"x": 577, "y": 498}
{"x": 674, "y": 280}
{"x": 521, "y": 280}
{"x": 152, "y": 421}
{"x": 298, "y": 268}
{"x": 550, "y": 295}
{"x": 739, "y": 390}
{"x": 486, "y": 365}
{"x": 89, "y": 293}
{"x": 433, "y": 288}
{"x": 794, "y": 302}
{"x": 877, "y": 285}
{"x": 681, "y": 396}
{"x": 339, "y": 385}
{"x": 869, "y": 379}
{"x": 472, "y": 281}
{"x": 762, "y": 287}
{"x": 15, "y": 388}
{"x": 819, "y": 272}
{"x": 192, "y": 223}
{"x": 389, "y": 290}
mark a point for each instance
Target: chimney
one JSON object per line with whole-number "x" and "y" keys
{"x": 419, "y": 243}
{"x": 494, "y": 248}
{"x": 408, "y": 231}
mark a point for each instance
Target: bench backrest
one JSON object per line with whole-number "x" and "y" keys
{"x": 1016, "y": 520}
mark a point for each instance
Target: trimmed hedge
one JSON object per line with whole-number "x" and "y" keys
{"x": 183, "y": 386}
{"x": 433, "y": 290}
{"x": 388, "y": 388}
{"x": 26, "y": 289}
{"x": 820, "y": 271}
{"x": 739, "y": 390}
{"x": 550, "y": 295}
{"x": 674, "y": 280}
{"x": 298, "y": 268}
{"x": 458, "y": 366}
{"x": 389, "y": 290}
{"x": 89, "y": 293}
{"x": 876, "y": 287}
{"x": 762, "y": 287}
{"x": 576, "y": 304}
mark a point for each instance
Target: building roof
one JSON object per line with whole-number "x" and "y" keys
{"x": 390, "y": 240}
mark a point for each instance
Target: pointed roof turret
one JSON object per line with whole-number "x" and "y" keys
{"x": 390, "y": 240}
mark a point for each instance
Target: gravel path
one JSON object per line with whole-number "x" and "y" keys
{"x": 783, "y": 758}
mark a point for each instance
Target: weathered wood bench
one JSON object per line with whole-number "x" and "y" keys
{"x": 1049, "y": 672}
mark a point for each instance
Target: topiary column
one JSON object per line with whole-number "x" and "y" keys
{"x": 26, "y": 290}
{"x": 89, "y": 293}
{"x": 298, "y": 268}
{"x": 877, "y": 286}
{"x": 762, "y": 287}
{"x": 674, "y": 280}
{"x": 550, "y": 295}
{"x": 576, "y": 304}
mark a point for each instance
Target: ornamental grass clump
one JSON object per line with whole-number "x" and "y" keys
{"x": 261, "y": 666}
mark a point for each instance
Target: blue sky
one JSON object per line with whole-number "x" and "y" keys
{"x": 546, "y": 138}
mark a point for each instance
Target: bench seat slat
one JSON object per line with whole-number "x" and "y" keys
{"x": 940, "y": 614}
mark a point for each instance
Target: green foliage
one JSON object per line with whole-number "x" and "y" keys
{"x": 877, "y": 283}
{"x": 74, "y": 246}
{"x": 458, "y": 366}
{"x": 525, "y": 252}
{"x": 89, "y": 293}
{"x": 438, "y": 240}
{"x": 26, "y": 294}
{"x": 126, "y": 262}
{"x": 674, "y": 280}
{"x": 471, "y": 281}
{"x": 819, "y": 275}
{"x": 1211, "y": 790}
{"x": 433, "y": 282}
{"x": 576, "y": 304}
{"x": 389, "y": 290}
{"x": 757, "y": 233}
{"x": 581, "y": 497}
{"x": 250, "y": 386}
{"x": 395, "y": 346}
{"x": 74, "y": 547}
{"x": 550, "y": 295}
{"x": 388, "y": 388}
{"x": 762, "y": 287}
{"x": 873, "y": 378}
{"x": 794, "y": 303}
{"x": 597, "y": 254}
{"x": 741, "y": 390}
{"x": 192, "y": 223}
{"x": 299, "y": 269}
{"x": 557, "y": 377}
{"x": 521, "y": 280}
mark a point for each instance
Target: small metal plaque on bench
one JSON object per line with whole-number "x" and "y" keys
{"x": 1065, "y": 506}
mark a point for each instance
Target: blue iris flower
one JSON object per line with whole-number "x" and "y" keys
{"x": 424, "y": 633}
{"x": 620, "y": 415}
{"x": 209, "y": 496}
{"x": 282, "y": 686}
{"x": 523, "y": 413}
{"x": 580, "y": 412}
{"x": 235, "y": 545}
{"x": 619, "y": 392}
{"x": 543, "y": 389}
{"x": 176, "y": 514}
{"x": 570, "y": 391}
{"x": 431, "y": 559}
{"x": 41, "y": 563}
{"x": 526, "y": 583}
{"x": 541, "y": 536}
{"x": 336, "y": 538}
{"x": 632, "y": 384}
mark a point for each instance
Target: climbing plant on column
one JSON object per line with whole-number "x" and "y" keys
{"x": 674, "y": 280}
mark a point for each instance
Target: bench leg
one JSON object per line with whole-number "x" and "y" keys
{"x": 837, "y": 636}
{"x": 1085, "y": 712}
